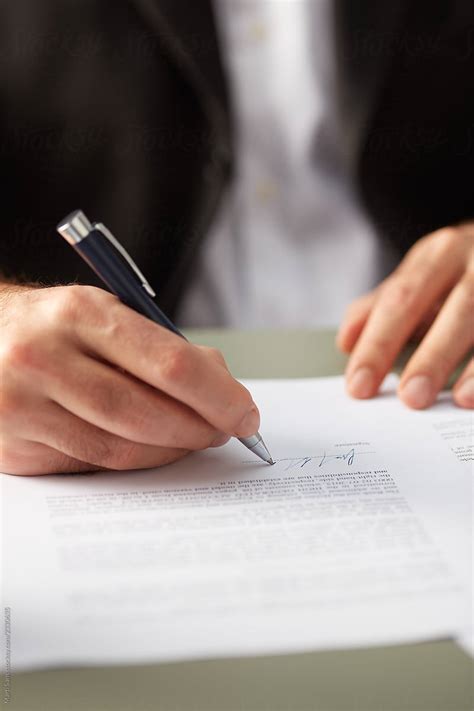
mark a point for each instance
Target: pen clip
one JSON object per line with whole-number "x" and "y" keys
{"x": 123, "y": 252}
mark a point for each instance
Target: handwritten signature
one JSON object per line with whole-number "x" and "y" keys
{"x": 300, "y": 462}
{"x": 347, "y": 457}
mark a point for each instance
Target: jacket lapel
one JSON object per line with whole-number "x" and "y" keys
{"x": 188, "y": 33}
{"x": 367, "y": 37}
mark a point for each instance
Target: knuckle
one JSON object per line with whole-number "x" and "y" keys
{"x": 400, "y": 294}
{"x": 67, "y": 303}
{"x": 21, "y": 355}
{"x": 419, "y": 246}
{"x": 415, "y": 259}
{"x": 444, "y": 241}
{"x": 214, "y": 353}
{"x": 177, "y": 364}
{"x": 74, "y": 301}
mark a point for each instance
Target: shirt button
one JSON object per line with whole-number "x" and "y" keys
{"x": 266, "y": 191}
{"x": 257, "y": 31}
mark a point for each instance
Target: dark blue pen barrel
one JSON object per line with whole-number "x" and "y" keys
{"x": 116, "y": 273}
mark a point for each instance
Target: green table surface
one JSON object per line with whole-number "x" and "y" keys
{"x": 435, "y": 676}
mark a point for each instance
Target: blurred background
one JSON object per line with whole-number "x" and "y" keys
{"x": 265, "y": 162}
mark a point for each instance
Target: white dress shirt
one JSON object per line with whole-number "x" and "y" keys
{"x": 291, "y": 246}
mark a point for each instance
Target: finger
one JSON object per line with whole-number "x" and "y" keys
{"x": 463, "y": 391}
{"x": 214, "y": 353}
{"x": 425, "y": 324}
{"x": 445, "y": 344}
{"x": 24, "y": 458}
{"x": 124, "y": 406}
{"x": 354, "y": 321}
{"x": 60, "y": 430}
{"x": 161, "y": 359}
{"x": 405, "y": 297}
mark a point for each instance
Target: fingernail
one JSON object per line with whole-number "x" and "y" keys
{"x": 249, "y": 424}
{"x": 465, "y": 393}
{"x": 418, "y": 392}
{"x": 220, "y": 440}
{"x": 362, "y": 383}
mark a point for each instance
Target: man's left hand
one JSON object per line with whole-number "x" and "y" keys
{"x": 430, "y": 295}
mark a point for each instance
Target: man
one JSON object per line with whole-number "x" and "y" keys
{"x": 126, "y": 112}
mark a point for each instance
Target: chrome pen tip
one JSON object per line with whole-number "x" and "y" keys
{"x": 264, "y": 453}
{"x": 256, "y": 445}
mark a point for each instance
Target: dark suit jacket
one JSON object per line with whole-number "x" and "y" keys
{"x": 122, "y": 109}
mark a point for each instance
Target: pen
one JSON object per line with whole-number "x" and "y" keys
{"x": 112, "y": 263}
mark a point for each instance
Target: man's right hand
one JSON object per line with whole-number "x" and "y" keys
{"x": 86, "y": 383}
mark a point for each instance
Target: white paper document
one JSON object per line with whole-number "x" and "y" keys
{"x": 361, "y": 534}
